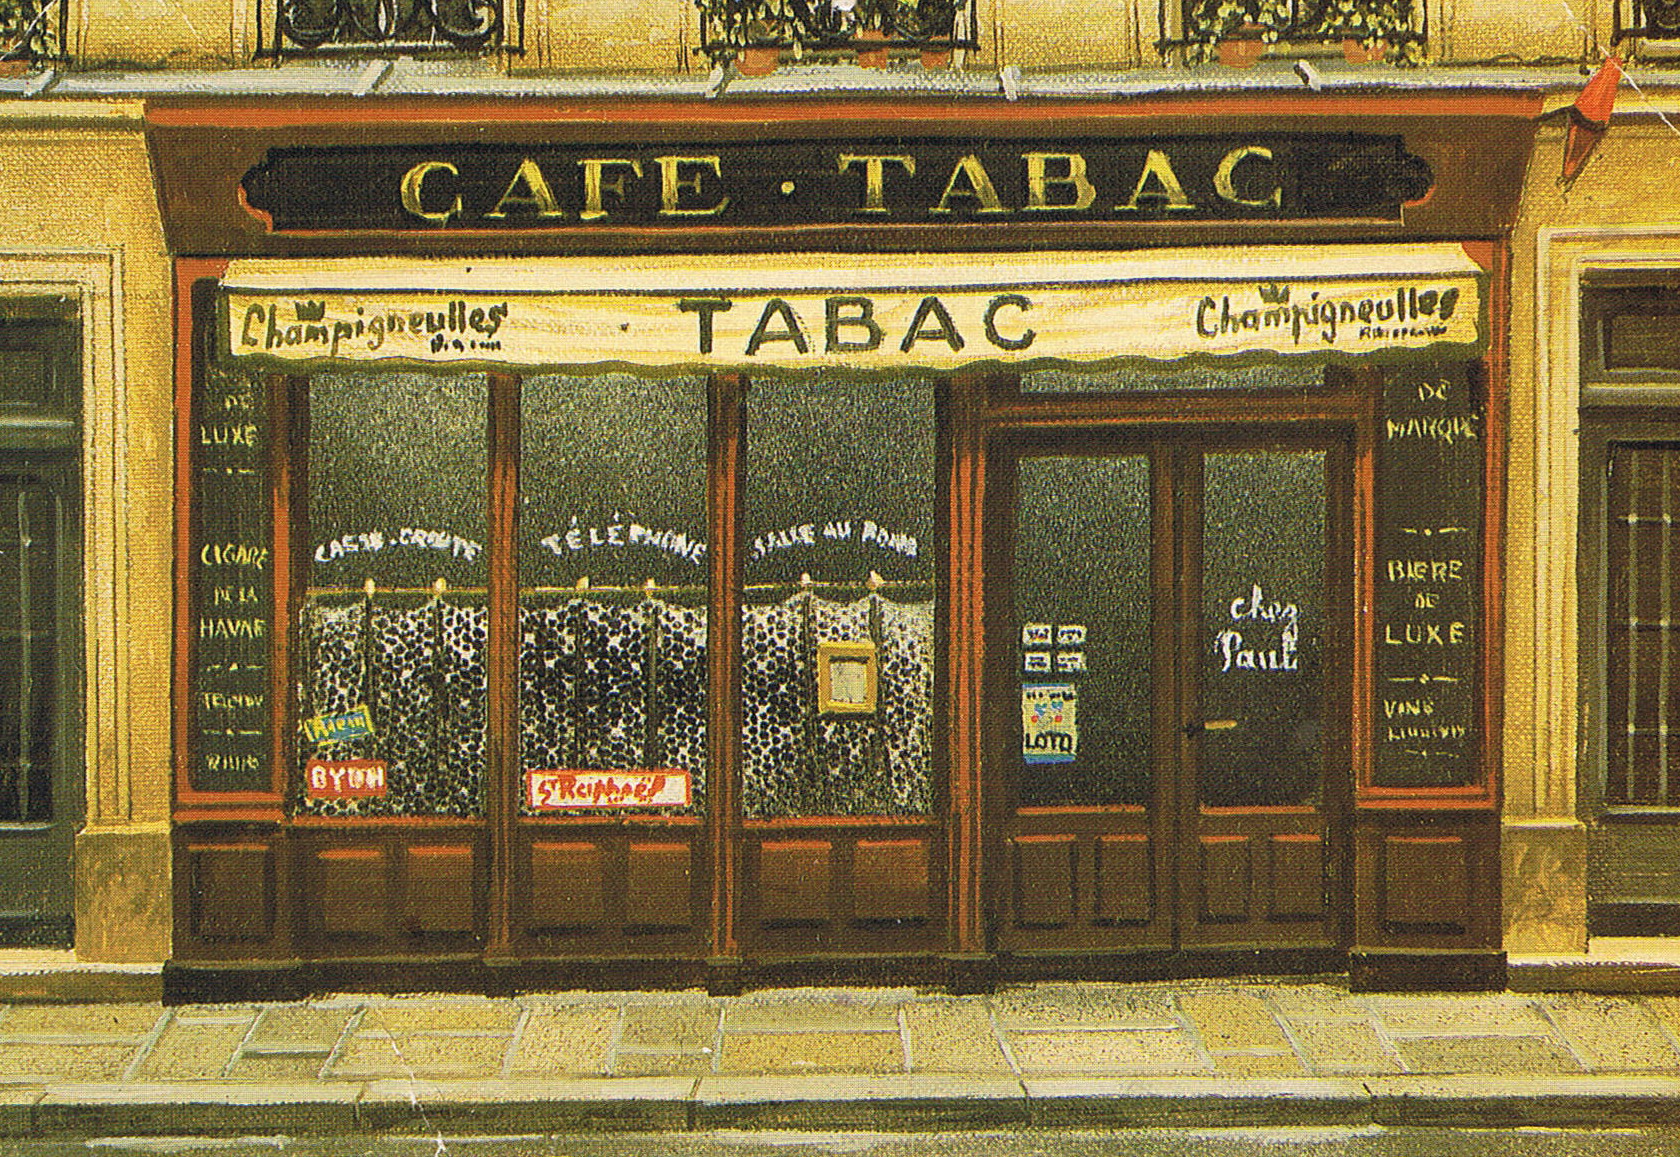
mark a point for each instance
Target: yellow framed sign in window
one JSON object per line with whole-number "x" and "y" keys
{"x": 847, "y": 678}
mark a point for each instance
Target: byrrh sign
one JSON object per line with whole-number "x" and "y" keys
{"x": 877, "y": 313}
{"x": 778, "y": 183}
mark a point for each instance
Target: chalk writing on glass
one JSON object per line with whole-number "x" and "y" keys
{"x": 1272, "y": 639}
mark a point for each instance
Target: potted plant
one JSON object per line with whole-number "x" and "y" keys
{"x": 15, "y": 57}
{"x": 1236, "y": 32}
{"x": 752, "y": 33}
{"x": 1374, "y": 30}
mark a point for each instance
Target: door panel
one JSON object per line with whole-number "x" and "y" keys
{"x": 1168, "y": 627}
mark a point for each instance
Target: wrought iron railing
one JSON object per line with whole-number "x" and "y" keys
{"x": 836, "y": 27}
{"x": 1402, "y": 24}
{"x": 33, "y": 31}
{"x": 391, "y": 27}
{"x": 1647, "y": 19}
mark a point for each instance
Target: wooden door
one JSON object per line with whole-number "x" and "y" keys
{"x": 1168, "y": 691}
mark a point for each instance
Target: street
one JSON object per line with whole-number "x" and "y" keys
{"x": 1326, "y": 1141}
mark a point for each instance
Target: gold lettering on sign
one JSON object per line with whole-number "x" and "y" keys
{"x": 672, "y": 185}
{"x": 413, "y": 185}
{"x": 1224, "y": 185}
{"x": 537, "y": 193}
{"x": 875, "y": 177}
{"x": 977, "y": 183}
{"x": 594, "y": 184}
{"x": 1157, "y": 169}
{"x": 1039, "y": 182}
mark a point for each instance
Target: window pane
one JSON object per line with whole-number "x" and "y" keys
{"x": 1290, "y": 375}
{"x": 1263, "y": 613}
{"x": 840, "y": 487}
{"x": 1643, "y": 642}
{"x": 613, "y": 491}
{"x": 30, "y": 524}
{"x": 1083, "y": 609}
{"x": 396, "y": 476}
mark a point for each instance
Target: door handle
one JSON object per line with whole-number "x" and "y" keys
{"x": 1200, "y": 726}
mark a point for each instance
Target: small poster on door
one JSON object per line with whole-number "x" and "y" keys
{"x": 1070, "y": 635}
{"x": 1049, "y": 722}
{"x": 1070, "y": 662}
{"x": 1036, "y": 662}
{"x": 1036, "y": 634}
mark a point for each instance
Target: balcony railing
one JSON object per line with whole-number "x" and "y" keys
{"x": 836, "y": 27}
{"x": 1402, "y": 24}
{"x": 33, "y": 32}
{"x": 1647, "y": 19}
{"x": 390, "y": 27}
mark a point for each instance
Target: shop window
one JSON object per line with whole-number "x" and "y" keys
{"x": 612, "y": 569}
{"x": 395, "y": 619}
{"x": 380, "y": 28}
{"x": 839, "y": 551}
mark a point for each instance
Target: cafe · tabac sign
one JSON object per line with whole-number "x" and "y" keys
{"x": 928, "y": 181}
{"x": 870, "y": 315}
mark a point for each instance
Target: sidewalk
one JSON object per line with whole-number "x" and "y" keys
{"x": 1089, "y": 1055}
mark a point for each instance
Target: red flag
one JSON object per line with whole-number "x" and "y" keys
{"x": 1589, "y": 116}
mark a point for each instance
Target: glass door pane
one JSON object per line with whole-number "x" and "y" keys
{"x": 1084, "y": 609}
{"x": 1263, "y": 615}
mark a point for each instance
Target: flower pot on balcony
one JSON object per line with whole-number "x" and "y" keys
{"x": 1242, "y": 48}
{"x": 757, "y": 60}
{"x": 872, "y": 48}
{"x": 1358, "y": 52}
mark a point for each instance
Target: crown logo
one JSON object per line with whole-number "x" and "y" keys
{"x": 1274, "y": 294}
{"x": 310, "y": 310}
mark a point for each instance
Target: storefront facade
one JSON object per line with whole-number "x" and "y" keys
{"x": 713, "y": 549}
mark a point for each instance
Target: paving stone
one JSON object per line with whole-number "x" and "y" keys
{"x": 1055, "y": 1006}
{"x": 1614, "y": 1035}
{"x": 398, "y": 1016}
{"x": 189, "y": 1051}
{"x": 90, "y": 1020}
{"x": 1315, "y": 1002}
{"x": 1258, "y": 1065}
{"x": 573, "y": 1040}
{"x": 1233, "y": 1020}
{"x": 372, "y": 1055}
{"x": 1460, "y": 1015}
{"x": 1146, "y": 1051}
{"x": 1492, "y": 1055}
{"x": 21, "y": 1063}
{"x": 662, "y": 1064}
{"x": 676, "y": 1027}
{"x": 288, "y": 1024}
{"x": 953, "y": 1037}
{"x": 812, "y": 1052}
{"x": 276, "y": 1069}
{"x": 1665, "y": 1008}
{"x": 839, "y": 1014}
{"x": 1341, "y": 1048}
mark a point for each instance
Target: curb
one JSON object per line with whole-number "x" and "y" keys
{"x": 912, "y": 1103}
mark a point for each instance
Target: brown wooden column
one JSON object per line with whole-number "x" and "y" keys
{"x": 502, "y": 654}
{"x": 726, "y": 435}
{"x": 970, "y": 964}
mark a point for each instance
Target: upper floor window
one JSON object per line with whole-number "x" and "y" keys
{"x": 1648, "y": 19}
{"x": 837, "y": 28}
{"x": 390, "y": 27}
